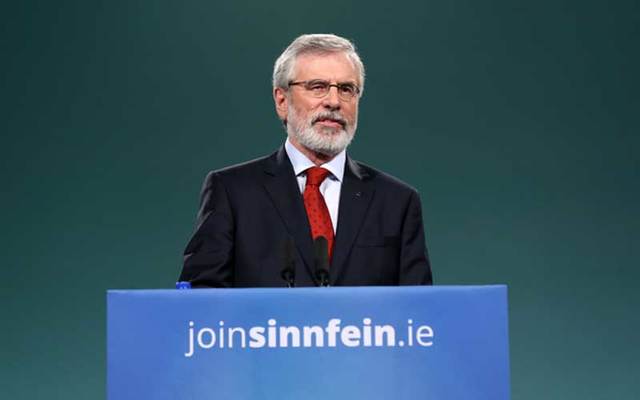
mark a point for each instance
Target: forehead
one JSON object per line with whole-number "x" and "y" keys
{"x": 335, "y": 67}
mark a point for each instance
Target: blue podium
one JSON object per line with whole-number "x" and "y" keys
{"x": 309, "y": 343}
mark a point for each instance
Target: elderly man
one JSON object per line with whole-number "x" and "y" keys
{"x": 261, "y": 223}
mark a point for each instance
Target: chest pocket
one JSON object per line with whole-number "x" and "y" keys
{"x": 377, "y": 241}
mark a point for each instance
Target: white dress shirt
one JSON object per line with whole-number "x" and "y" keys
{"x": 330, "y": 187}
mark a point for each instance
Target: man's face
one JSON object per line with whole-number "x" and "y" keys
{"x": 327, "y": 124}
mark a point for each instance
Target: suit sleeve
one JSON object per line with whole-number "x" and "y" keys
{"x": 208, "y": 257}
{"x": 415, "y": 268}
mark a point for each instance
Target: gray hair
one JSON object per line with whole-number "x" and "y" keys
{"x": 313, "y": 44}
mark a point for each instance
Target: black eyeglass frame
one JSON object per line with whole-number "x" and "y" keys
{"x": 339, "y": 86}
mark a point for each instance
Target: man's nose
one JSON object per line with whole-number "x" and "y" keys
{"x": 332, "y": 100}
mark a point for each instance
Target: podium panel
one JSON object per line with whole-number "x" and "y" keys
{"x": 309, "y": 343}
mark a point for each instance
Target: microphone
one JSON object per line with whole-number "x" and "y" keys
{"x": 289, "y": 265}
{"x": 321, "y": 253}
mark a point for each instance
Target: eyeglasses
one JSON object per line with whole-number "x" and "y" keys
{"x": 319, "y": 88}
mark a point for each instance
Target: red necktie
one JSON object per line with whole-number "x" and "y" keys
{"x": 317, "y": 211}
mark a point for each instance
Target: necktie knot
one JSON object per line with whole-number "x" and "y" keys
{"x": 316, "y": 175}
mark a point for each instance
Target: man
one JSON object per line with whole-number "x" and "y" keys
{"x": 309, "y": 188}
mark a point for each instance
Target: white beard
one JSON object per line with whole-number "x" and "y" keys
{"x": 324, "y": 140}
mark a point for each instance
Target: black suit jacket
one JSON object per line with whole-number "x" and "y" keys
{"x": 249, "y": 211}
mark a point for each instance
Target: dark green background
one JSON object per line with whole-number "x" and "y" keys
{"x": 517, "y": 122}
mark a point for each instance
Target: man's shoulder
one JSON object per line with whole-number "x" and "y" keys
{"x": 246, "y": 167}
{"x": 382, "y": 179}
{"x": 244, "y": 170}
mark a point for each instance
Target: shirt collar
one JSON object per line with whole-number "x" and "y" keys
{"x": 301, "y": 163}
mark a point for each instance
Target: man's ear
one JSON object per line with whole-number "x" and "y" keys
{"x": 282, "y": 105}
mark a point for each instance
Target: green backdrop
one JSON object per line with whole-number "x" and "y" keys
{"x": 516, "y": 120}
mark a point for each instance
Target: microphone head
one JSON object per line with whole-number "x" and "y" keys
{"x": 288, "y": 272}
{"x": 321, "y": 255}
{"x": 288, "y": 249}
{"x": 321, "y": 250}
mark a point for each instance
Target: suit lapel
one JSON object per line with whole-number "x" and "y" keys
{"x": 280, "y": 183}
{"x": 355, "y": 196}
